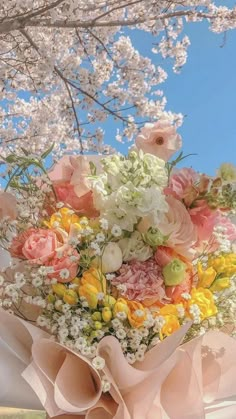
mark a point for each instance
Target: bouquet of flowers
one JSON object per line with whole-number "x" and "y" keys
{"x": 118, "y": 260}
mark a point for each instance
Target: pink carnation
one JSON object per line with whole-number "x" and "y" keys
{"x": 160, "y": 139}
{"x": 179, "y": 228}
{"x": 142, "y": 280}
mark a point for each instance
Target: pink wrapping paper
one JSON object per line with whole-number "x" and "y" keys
{"x": 193, "y": 381}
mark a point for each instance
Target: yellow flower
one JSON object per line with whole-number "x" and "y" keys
{"x": 90, "y": 293}
{"x": 168, "y": 309}
{"x": 224, "y": 264}
{"x": 63, "y": 219}
{"x": 171, "y": 325}
{"x": 207, "y": 277}
{"x": 96, "y": 278}
{"x": 70, "y": 297}
{"x": 109, "y": 301}
{"x": 220, "y": 284}
{"x": 203, "y": 298}
{"x": 137, "y": 314}
{"x": 97, "y": 316}
{"x": 106, "y": 314}
{"x": 120, "y": 306}
{"x": 59, "y": 289}
{"x": 92, "y": 283}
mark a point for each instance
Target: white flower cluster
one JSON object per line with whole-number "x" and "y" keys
{"x": 131, "y": 188}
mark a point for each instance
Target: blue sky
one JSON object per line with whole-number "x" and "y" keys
{"x": 204, "y": 91}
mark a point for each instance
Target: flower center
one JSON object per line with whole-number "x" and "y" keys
{"x": 160, "y": 140}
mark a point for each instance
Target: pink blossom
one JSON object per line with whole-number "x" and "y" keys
{"x": 7, "y": 205}
{"x": 160, "y": 139}
{"x": 178, "y": 225}
{"x": 67, "y": 260}
{"x": 143, "y": 281}
{"x": 84, "y": 204}
{"x": 181, "y": 185}
{"x": 228, "y": 225}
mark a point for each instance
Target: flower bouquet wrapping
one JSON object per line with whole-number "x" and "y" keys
{"x": 121, "y": 284}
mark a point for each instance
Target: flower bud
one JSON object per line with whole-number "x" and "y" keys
{"x": 111, "y": 259}
{"x": 109, "y": 301}
{"x": 174, "y": 272}
{"x": 97, "y": 316}
{"x": 153, "y": 237}
{"x": 70, "y": 297}
{"x": 51, "y": 298}
{"x": 90, "y": 293}
{"x": 98, "y": 325}
{"x": 205, "y": 278}
{"x": 59, "y": 289}
{"x": 120, "y": 306}
{"x": 106, "y": 314}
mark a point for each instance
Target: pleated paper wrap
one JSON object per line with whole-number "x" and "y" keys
{"x": 192, "y": 381}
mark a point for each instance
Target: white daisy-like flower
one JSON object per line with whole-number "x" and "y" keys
{"x": 41, "y": 321}
{"x": 74, "y": 331}
{"x": 116, "y": 323}
{"x": 60, "y": 205}
{"x": 85, "y": 351}
{"x": 106, "y": 385}
{"x": 37, "y": 282}
{"x": 80, "y": 343}
{"x": 116, "y": 231}
{"x": 121, "y": 315}
{"x": 110, "y": 277}
{"x": 121, "y": 334}
{"x": 100, "y": 296}
{"x": 104, "y": 224}
{"x": 61, "y": 321}
{"x": 63, "y": 333}
{"x": 139, "y": 356}
{"x": 100, "y": 237}
{"x": 98, "y": 363}
{"x": 130, "y": 358}
{"x": 58, "y": 305}
{"x": 64, "y": 273}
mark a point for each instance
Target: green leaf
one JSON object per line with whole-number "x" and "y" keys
{"x": 48, "y": 151}
{"x": 93, "y": 168}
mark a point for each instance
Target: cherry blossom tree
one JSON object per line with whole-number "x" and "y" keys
{"x": 66, "y": 66}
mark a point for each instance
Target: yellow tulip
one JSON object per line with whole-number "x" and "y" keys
{"x": 96, "y": 278}
{"x": 70, "y": 297}
{"x": 109, "y": 301}
{"x": 205, "y": 277}
{"x": 59, "y": 289}
{"x": 106, "y": 314}
{"x": 171, "y": 325}
{"x": 120, "y": 306}
{"x": 97, "y": 316}
{"x": 98, "y": 325}
{"x": 90, "y": 293}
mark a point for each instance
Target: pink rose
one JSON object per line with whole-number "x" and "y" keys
{"x": 181, "y": 185}
{"x": 160, "y": 139}
{"x": 71, "y": 184}
{"x": 40, "y": 245}
{"x": 7, "y": 205}
{"x": 65, "y": 265}
{"x": 178, "y": 225}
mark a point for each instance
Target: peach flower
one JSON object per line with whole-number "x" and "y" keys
{"x": 178, "y": 225}
{"x": 7, "y": 205}
{"x": 160, "y": 139}
{"x": 65, "y": 265}
{"x": 181, "y": 185}
{"x": 37, "y": 245}
{"x": 165, "y": 255}
{"x": 71, "y": 184}
{"x": 204, "y": 219}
